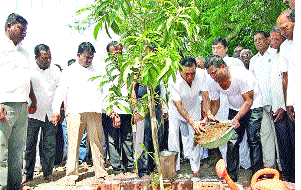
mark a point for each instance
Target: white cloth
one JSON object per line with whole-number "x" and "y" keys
{"x": 181, "y": 91}
{"x": 242, "y": 81}
{"x": 78, "y": 92}
{"x": 223, "y": 110}
{"x": 189, "y": 96}
{"x": 193, "y": 153}
{"x": 285, "y": 58}
{"x": 277, "y": 89}
{"x": 260, "y": 66}
{"x": 14, "y": 72}
{"x": 44, "y": 83}
{"x": 291, "y": 86}
{"x": 232, "y": 61}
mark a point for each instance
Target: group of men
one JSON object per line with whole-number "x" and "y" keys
{"x": 256, "y": 93}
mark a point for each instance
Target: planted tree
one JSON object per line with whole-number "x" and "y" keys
{"x": 177, "y": 28}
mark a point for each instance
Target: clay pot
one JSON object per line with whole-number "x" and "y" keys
{"x": 267, "y": 184}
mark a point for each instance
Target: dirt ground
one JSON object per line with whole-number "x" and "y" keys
{"x": 87, "y": 173}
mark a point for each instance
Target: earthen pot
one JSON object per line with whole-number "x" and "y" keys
{"x": 267, "y": 184}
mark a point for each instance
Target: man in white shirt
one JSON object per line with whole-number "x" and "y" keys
{"x": 119, "y": 124}
{"x": 260, "y": 66}
{"x": 83, "y": 103}
{"x": 220, "y": 47}
{"x": 185, "y": 111}
{"x": 14, "y": 92}
{"x": 285, "y": 137}
{"x": 44, "y": 79}
{"x": 245, "y": 57}
{"x": 287, "y": 48}
{"x": 245, "y": 112}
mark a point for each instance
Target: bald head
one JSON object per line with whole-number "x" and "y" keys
{"x": 285, "y": 24}
{"x": 200, "y": 62}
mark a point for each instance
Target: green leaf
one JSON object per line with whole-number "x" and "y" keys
{"x": 164, "y": 70}
{"x": 123, "y": 108}
{"x": 96, "y": 29}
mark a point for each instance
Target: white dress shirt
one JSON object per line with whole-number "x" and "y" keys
{"x": 260, "y": 66}
{"x": 277, "y": 87}
{"x": 44, "y": 83}
{"x": 291, "y": 86}
{"x": 232, "y": 61}
{"x": 181, "y": 91}
{"x": 78, "y": 92}
{"x": 14, "y": 72}
{"x": 284, "y": 54}
{"x": 242, "y": 81}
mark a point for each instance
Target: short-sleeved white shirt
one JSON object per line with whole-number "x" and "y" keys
{"x": 260, "y": 66}
{"x": 242, "y": 81}
{"x": 181, "y": 91}
{"x": 233, "y": 62}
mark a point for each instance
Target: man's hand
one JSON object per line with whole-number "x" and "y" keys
{"x": 279, "y": 114}
{"x": 137, "y": 117}
{"x": 115, "y": 119}
{"x": 199, "y": 127}
{"x": 235, "y": 123}
{"x": 165, "y": 116}
{"x": 55, "y": 118}
{"x": 32, "y": 108}
{"x": 212, "y": 118}
{"x": 291, "y": 112}
{"x": 3, "y": 113}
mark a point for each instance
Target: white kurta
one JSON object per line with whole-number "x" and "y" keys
{"x": 181, "y": 91}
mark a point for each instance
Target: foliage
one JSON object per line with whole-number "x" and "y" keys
{"x": 236, "y": 21}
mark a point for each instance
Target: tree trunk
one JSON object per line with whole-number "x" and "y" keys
{"x": 154, "y": 126}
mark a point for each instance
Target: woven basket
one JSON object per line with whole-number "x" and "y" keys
{"x": 219, "y": 141}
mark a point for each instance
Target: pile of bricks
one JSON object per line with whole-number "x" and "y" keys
{"x": 147, "y": 184}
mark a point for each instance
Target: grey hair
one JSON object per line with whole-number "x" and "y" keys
{"x": 245, "y": 50}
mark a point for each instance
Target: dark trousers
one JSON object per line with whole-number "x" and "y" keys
{"x": 145, "y": 163}
{"x": 106, "y": 124}
{"x": 250, "y": 123}
{"x": 46, "y": 147}
{"x": 285, "y": 132}
{"x": 120, "y": 141}
{"x": 59, "y": 149}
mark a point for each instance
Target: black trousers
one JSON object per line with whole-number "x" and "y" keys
{"x": 250, "y": 123}
{"x": 120, "y": 142}
{"x": 146, "y": 164}
{"x": 47, "y": 146}
{"x": 285, "y": 132}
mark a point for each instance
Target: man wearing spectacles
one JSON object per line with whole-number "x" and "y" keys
{"x": 245, "y": 57}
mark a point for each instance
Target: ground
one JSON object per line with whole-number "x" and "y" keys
{"x": 87, "y": 173}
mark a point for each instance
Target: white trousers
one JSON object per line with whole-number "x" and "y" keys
{"x": 268, "y": 138}
{"x": 193, "y": 153}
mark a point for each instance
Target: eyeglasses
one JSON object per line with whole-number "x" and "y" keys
{"x": 246, "y": 56}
